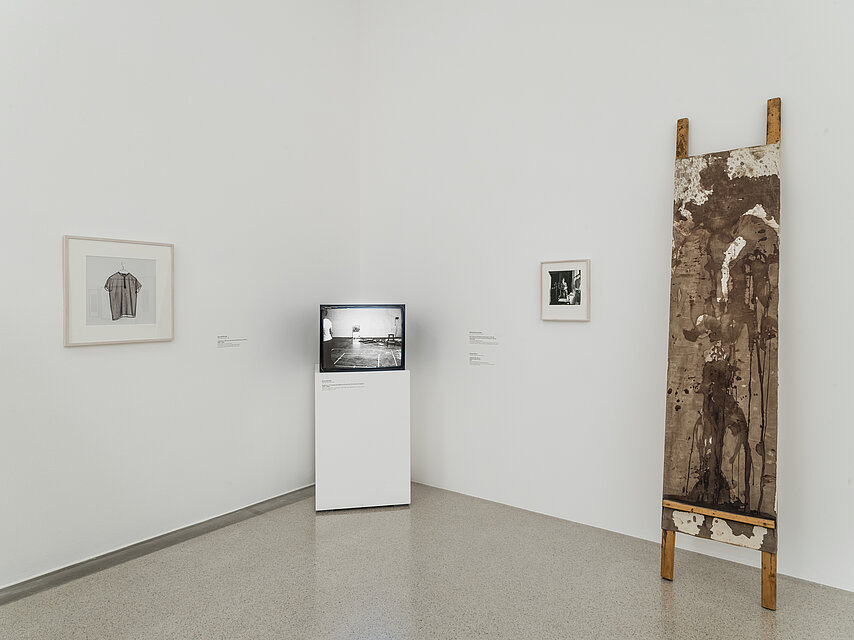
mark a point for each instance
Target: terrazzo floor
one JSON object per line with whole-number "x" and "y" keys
{"x": 449, "y": 566}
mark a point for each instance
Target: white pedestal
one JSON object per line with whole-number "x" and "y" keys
{"x": 361, "y": 439}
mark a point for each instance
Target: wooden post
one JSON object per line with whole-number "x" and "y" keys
{"x": 668, "y": 553}
{"x": 769, "y": 560}
{"x": 769, "y": 580}
{"x": 682, "y": 138}
{"x": 668, "y": 538}
{"x": 772, "y": 128}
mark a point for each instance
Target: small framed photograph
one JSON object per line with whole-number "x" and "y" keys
{"x": 565, "y": 290}
{"x": 117, "y": 291}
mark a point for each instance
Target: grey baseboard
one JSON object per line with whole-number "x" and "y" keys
{"x": 113, "y": 558}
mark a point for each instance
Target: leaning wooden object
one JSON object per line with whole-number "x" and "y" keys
{"x": 720, "y": 475}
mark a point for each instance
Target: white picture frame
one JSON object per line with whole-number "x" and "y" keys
{"x": 117, "y": 291}
{"x": 565, "y": 290}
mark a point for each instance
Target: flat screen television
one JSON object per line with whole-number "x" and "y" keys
{"x": 362, "y": 337}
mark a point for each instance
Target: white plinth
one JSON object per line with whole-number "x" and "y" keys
{"x": 361, "y": 439}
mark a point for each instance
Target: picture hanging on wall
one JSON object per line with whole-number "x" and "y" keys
{"x": 117, "y": 291}
{"x": 565, "y": 290}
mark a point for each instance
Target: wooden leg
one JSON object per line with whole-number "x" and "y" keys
{"x": 769, "y": 580}
{"x": 772, "y": 129}
{"x": 682, "y": 138}
{"x": 668, "y": 553}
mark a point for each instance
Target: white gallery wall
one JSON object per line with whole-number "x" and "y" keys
{"x": 430, "y": 152}
{"x": 497, "y": 134}
{"x": 228, "y": 129}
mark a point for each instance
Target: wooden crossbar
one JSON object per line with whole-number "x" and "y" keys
{"x": 715, "y": 513}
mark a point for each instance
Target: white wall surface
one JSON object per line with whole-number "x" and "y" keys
{"x": 496, "y": 134}
{"x": 488, "y": 136}
{"x": 230, "y": 130}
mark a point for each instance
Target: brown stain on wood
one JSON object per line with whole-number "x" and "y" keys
{"x": 722, "y": 420}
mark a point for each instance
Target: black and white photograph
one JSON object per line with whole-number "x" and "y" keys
{"x": 117, "y": 291}
{"x": 120, "y": 290}
{"x": 565, "y": 290}
{"x": 565, "y": 287}
{"x": 362, "y": 337}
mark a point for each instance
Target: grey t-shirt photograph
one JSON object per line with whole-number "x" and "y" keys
{"x": 120, "y": 288}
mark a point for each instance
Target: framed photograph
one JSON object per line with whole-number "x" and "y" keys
{"x": 117, "y": 291}
{"x": 565, "y": 290}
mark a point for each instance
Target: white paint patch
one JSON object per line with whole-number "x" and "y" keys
{"x": 721, "y": 531}
{"x": 754, "y": 162}
{"x": 759, "y": 212}
{"x": 730, "y": 254}
{"x": 689, "y": 523}
{"x": 715, "y": 353}
{"x": 686, "y": 184}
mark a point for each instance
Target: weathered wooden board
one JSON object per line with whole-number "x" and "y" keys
{"x": 721, "y": 425}
{"x": 740, "y": 534}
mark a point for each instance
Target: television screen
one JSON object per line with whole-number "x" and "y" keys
{"x": 362, "y": 337}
